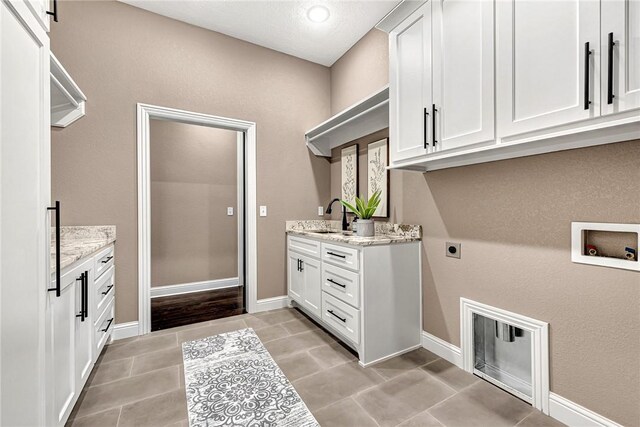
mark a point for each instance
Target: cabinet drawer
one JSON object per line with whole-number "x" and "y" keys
{"x": 342, "y": 284}
{"x": 340, "y": 256}
{"x": 104, "y": 289}
{"x": 304, "y": 246}
{"x": 104, "y": 327}
{"x": 104, "y": 261}
{"x": 343, "y": 319}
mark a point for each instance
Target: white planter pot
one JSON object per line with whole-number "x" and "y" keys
{"x": 366, "y": 228}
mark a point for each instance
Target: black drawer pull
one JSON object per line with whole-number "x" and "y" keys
{"x": 54, "y": 13}
{"x": 109, "y": 258}
{"x": 58, "y": 255}
{"x": 335, "y": 254}
{"x": 336, "y": 283}
{"x": 108, "y": 289}
{"x": 108, "y": 324}
{"x": 433, "y": 123}
{"x": 424, "y": 124}
{"x": 335, "y": 315}
{"x": 587, "y": 80}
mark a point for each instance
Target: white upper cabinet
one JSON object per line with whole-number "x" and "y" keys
{"x": 463, "y": 89}
{"x": 542, "y": 53}
{"x": 620, "y": 57}
{"x": 410, "y": 98}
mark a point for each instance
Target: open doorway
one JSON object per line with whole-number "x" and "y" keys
{"x": 196, "y": 212}
{"x": 197, "y": 193}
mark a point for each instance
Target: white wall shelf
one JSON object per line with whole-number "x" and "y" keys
{"x": 578, "y": 242}
{"x": 363, "y": 118}
{"x": 67, "y": 100}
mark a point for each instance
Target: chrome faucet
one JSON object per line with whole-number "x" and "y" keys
{"x": 345, "y": 224}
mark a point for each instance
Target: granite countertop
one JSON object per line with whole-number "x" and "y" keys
{"x": 78, "y": 242}
{"x": 386, "y": 233}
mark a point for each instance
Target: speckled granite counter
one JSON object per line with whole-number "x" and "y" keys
{"x": 78, "y": 242}
{"x": 386, "y": 233}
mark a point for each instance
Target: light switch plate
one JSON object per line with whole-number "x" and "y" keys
{"x": 230, "y": 211}
{"x": 263, "y": 211}
{"x": 320, "y": 211}
{"x": 452, "y": 250}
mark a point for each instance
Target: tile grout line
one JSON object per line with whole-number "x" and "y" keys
{"x": 132, "y": 402}
{"x": 119, "y": 415}
{"x": 527, "y": 416}
{"x": 365, "y": 411}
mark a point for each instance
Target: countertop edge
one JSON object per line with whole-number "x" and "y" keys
{"x": 378, "y": 240}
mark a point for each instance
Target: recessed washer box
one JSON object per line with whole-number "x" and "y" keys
{"x": 610, "y": 242}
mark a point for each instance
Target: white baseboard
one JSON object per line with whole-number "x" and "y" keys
{"x": 186, "y": 288}
{"x": 125, "y": 330}
{"x": 561, "y": 409}
{"x": 448, "y": 352}
{"x": 573, "y": 414}
{"x": 274, "y": 303}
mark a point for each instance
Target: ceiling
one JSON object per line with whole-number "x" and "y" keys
{"x": 280, "y": 25}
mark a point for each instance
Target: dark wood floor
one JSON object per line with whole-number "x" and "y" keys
{"x": 178, "y": 310}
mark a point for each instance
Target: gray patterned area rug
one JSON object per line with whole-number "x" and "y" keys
{"x": 231, "y": 380}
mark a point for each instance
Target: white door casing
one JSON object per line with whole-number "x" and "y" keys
{"x": 144, "y": 114}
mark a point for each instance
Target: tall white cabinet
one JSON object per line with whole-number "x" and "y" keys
{"x": 24, "y": 220}
{"x": 546, "y": 51}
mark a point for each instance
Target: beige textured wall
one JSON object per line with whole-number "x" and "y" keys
{"x": 362, "y": 70}
{"x": 193, "y": 181}
{"x": 120, "y": 55}
{"x": 513, "y": 219}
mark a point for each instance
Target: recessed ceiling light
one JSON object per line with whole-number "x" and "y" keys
{"x": 318, "y": 14}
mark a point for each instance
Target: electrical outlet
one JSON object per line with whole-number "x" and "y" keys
{"x": 230, "y": 211}
{"x": 453, "y": 250}
{"x": 263, "y": 211}
{"x": 320, "y": 211}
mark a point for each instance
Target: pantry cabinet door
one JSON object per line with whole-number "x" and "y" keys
{"x": 410, "y": 96}
{"x": 463, "y": 88}
{"x": 620, "y": 65}
{"x": 541, "y": 61}
{"x": 294, "y": 277}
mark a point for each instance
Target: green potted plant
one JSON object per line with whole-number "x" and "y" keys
{"x": 365, "y": 212}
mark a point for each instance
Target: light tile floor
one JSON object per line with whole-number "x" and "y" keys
{"x": 139, "y": 381}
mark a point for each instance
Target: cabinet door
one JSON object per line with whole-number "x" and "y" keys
{"x": 83, "y": 327}
{"x": 61, "y": 350}
{"x": 541, "y": 62}
{"x": 24, "y": 225}
{"x": 294, "y": 277}
{"x": 621, "y": 19}
{"x": 312, "y": 278}
{"x": 410, "y": 86}
{"x": 463, "y": 90}
{"x": 39, "y": 9}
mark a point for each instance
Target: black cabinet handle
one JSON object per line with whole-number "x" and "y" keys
{"x": 343, "y": 319}
{"x": 433, "y": 123}
{"x": 335, "y": 254}
{"x": 107, "y": 259}
{"x": 86, "y": 294}
{"x": 81, "y": 315}
{"x": 58, "y": 284}
{"x": 108, "y": 289}
{"x": 587, "y": 53}
{"x": 108, "y": 324}
{"x": 610, "y": 94}
{"x": 301, "y": 265}
{"x": 55, "y": 11}
{"x": 425, "y": 127}
{"x": 336, "y": 283}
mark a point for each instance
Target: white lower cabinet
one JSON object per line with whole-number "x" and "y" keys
{"x": 79, "y": 324}
{"x": 367, "y": 296}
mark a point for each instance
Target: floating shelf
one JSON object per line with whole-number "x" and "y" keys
{"x": 67, "y": 100}
{"x": 363, "y": 118}
{"x": 609, "y": 243}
